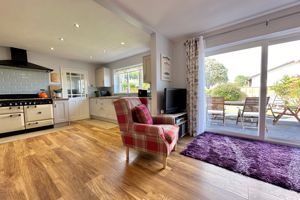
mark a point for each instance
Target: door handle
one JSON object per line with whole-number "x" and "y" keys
{"x": 39, "y": 113}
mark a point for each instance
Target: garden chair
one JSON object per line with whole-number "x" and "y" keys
{"x": 250, "y": 111}
{"x": 216, "y": 108}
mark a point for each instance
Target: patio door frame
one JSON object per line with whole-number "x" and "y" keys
{"x": 264, "y": 43}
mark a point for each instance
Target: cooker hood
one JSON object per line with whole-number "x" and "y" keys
{"x": 19, "y": 60}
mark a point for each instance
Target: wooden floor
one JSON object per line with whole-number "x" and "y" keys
{"x": 87, "y": 161}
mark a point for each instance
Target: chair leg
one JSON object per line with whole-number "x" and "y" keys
{"x": 242, "y": 120}
{"x": 174, "y": 148}
{"x": 165, "y": 162}
{"x": 127, "y": 154}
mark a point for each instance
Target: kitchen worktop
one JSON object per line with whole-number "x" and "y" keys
{"x": 113, "y": 97}
{"x": 106, "y": 97}
{"x": 60, "y": 99}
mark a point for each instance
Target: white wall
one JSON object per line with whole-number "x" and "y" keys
{"x": 159, "y": 46}
{"x": 179, "y": 65}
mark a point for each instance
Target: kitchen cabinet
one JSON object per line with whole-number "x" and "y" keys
{"x": 147, "y": 69}
{"x": 61, "y": 111}
{"x": 79, "y": 109}
{"x": 103, "y": 77}
{"x": 103, "y": 108}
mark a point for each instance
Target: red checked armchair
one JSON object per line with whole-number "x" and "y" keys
{"x": 145, "y": 137}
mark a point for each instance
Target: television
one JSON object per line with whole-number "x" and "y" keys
{"x": 174, "y": 100}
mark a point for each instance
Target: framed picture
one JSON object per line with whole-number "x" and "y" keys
{"x": 166, "y": 74}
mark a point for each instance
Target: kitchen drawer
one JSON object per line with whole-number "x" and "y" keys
{"x": 12, "y": 122}
{"x": 41, "y": 123}
{"x": 11, "y": 109}
{"x": 38, "y": 112}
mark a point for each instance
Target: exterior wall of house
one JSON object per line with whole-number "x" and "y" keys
{"x": 292, "y": 69}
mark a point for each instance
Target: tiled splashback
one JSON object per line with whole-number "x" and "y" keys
{"x": 16, "y": 81}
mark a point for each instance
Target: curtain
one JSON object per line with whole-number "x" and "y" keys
{"x": 196, "y": 105}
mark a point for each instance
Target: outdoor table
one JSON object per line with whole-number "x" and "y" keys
{"x": 288, "y": 110}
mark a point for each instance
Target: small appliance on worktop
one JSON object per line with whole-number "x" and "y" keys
{"x": 22, "y": 113}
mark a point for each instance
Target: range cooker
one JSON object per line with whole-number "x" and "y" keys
{"x": 24, "y": 113}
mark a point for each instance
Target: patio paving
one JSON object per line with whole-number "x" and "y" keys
{"x": 288, "y": 128}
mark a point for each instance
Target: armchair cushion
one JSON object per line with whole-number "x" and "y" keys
{"x": 170, "y": 132}
{"x": 163, "y": 119}
{"x": 142, "y": 114}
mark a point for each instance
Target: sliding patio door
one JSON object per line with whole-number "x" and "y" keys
{"x": 283, "y": 115}
{"x": 254, "y": 91}
{"x": 233, "y": 91}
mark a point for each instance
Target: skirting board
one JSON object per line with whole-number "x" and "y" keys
{"x": 104, "y": 119}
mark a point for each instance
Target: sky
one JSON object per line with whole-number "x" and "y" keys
{"x": 248, "y": 61}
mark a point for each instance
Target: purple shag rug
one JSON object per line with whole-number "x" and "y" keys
{"x": 272, "y": 163}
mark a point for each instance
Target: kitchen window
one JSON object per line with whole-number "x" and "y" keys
{"x": 129, "y": 80}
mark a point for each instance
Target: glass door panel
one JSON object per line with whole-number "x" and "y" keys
{"x": 76, "y": 84}
{"x": 283, "y": 115}
{"x": 233, "y": 90}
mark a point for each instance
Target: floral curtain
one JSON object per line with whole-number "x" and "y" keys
{"x": 196, "y": 105}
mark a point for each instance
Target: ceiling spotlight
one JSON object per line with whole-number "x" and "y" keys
{"x": 76, "y": 25}
{"x": 61, "y": 39}
{"x": 122, "y": 43}
{"x": 91, "y": 57}
{"x": 104, "y": 51}
{"x": 52, "y": 48}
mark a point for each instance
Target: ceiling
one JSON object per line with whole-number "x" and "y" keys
{"x": 177, "y": 18}
{"x": 37, "y": 25}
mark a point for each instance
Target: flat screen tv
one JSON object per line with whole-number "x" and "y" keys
{"x": 174, "y": 100}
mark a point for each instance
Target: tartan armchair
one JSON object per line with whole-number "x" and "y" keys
{"x": 145, "y": 137}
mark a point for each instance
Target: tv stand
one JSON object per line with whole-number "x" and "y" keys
{"x": 181, "y": 121}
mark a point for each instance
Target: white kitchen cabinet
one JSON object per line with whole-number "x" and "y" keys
{"x": 61, "y": 111}
{"x": 147, "y": 69}
{"x": 103, "y": 108}
{"x": 79, "y": 109}
{"x": 103, "y": 77}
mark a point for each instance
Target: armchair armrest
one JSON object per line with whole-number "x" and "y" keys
{"x": 146, "y": 129}
{"x": 162, "y": 119}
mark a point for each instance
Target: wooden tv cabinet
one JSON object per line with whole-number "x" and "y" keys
{"x": 181, "y": 121}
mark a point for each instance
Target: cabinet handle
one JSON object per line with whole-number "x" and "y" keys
{"x": 17, "y": 115}
{"x": 39, "y": 113}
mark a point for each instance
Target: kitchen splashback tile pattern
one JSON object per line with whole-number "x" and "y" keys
{"x": 15, "y": 81}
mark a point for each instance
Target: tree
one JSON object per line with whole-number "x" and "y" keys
{"x": 288, "y": 88}
{"x": 230, "y": 92}
{"x": 215, "y": 73}
{"x": 241, "y": 80}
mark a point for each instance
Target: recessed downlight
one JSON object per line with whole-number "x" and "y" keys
{"x": 123, "y": 43}
{"x": 61, "y": 39}
{"x": 91, "y": 57}
{"x": 76, "y": 25}
{"x": 104, "y": 51}
{"x": 52, "y": 48}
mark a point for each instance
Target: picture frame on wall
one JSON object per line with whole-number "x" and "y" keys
{"x": 166, "y": 69}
